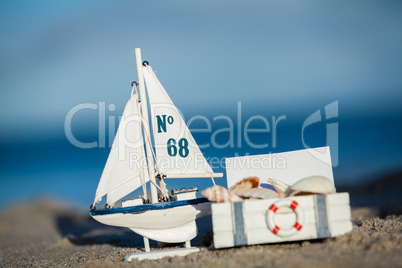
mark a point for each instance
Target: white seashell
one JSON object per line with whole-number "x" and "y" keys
{"x": 258, "y": 193}
{"x": 280, "y": 187}
{"x": 220, "y": 194}
{"x": 312, "y": 185}
{"x": 245, "y": 184}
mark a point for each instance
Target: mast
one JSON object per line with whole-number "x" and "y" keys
{"x": 144, "y": 171}
{"x": 144, "y": 109}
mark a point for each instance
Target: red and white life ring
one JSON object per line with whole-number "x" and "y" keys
{"x": 296, "y": 209}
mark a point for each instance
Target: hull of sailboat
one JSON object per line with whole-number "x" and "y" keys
{"x": 160, "y": 216}
{"x": 179, "y": 234}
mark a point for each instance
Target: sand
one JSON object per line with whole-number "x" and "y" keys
{"x": 49, "y": 234}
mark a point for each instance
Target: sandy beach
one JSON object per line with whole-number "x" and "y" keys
{"x": 49, "y": 234}
{"x": 99, "y": 98}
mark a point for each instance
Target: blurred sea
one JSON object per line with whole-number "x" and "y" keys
{"x": 291, "y": 59}
{"x": 46, "y": 164}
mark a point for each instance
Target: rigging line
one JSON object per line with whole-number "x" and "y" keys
{"x": 153, "y": 154}
{"x": 163, "y": 190}
{"x": 150, "y": 144}
{"x": 134, "y": 84}
{"x": 212, "y": 178}
{"x": 134, "y": 89}
{"x": 142, "y": 122}
{"x": 156, "y": 185}
{"x": 211, "y": 174}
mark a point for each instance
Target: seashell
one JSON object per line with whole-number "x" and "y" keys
{"x": 280, "y": 187}
{"x": 245, "y": 184}
{"x": 220, "y": 194}
{"x": 312, "y": 185}
{"x": 258, "y": 193}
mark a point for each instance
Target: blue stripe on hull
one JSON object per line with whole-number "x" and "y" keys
{"x": 147, "y": 207}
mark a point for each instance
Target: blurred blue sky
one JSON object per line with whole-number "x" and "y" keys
{"x": 285, "y": 55}
{"x": 276, "y": 57}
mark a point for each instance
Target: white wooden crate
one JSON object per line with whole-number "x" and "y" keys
{"x": 280, "y": 220}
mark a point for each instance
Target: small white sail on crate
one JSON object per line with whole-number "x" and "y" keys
{"x": 280, "y": 219}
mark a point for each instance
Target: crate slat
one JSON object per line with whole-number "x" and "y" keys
{"x": 246, "y": 223}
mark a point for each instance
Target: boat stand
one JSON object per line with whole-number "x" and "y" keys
{"x": 159, "y": 254}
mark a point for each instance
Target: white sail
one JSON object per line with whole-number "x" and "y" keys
{"x": 177, "y": 153}
{"x": 123, "y": 171}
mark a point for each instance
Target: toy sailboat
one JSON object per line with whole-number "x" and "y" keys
{"x": 134, "y": 160}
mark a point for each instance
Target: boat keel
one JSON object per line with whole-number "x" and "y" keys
{"x": 179, "y": 234}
